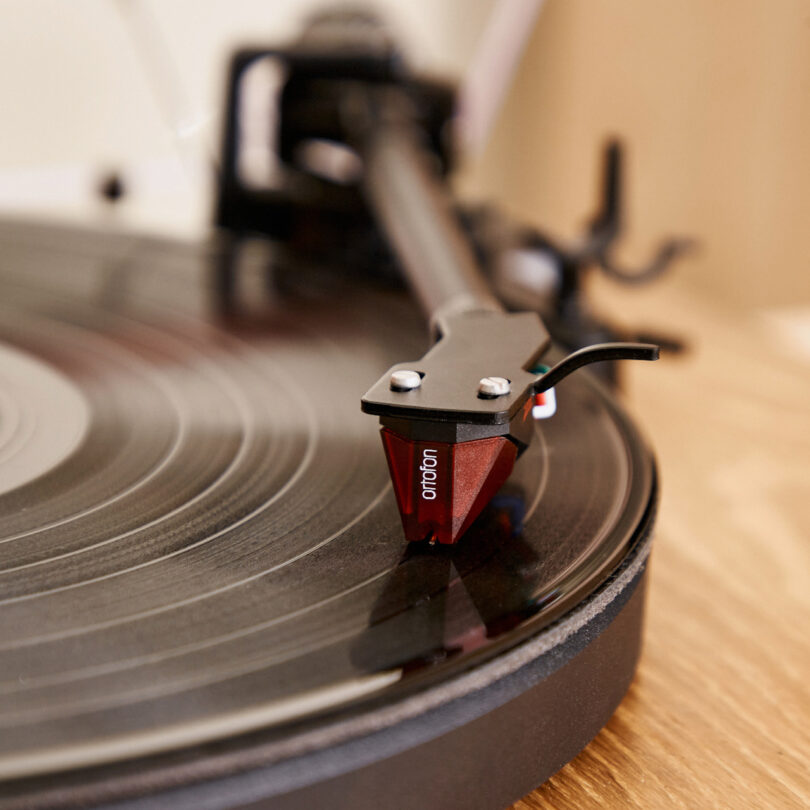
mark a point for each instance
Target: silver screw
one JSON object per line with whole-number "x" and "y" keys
{"x": 405, "y": 380}
{"x": 491, "y": 387}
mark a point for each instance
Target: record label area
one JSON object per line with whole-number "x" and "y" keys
{"x": 43, "y": 419}
{"x": 199, "y": 540}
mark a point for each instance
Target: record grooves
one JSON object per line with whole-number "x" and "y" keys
{"x": 206, "y": 580}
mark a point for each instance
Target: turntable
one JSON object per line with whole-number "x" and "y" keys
{"x": 211, "y": 592}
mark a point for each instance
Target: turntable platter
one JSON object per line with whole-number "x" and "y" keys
{"x": 201, "y": 559}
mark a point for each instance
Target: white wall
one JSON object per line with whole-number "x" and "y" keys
{"x": 77, "y": 94}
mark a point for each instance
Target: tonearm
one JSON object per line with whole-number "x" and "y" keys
{"x": 454, "y": 421}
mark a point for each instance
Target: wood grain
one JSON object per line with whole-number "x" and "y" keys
{"x": 719, "y": 714}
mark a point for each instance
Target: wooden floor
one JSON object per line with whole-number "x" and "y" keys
{"x": 719, "y": 714}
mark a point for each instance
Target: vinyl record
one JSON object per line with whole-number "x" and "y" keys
{"x": 205, "y": 594}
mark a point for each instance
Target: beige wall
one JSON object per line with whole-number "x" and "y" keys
{"x": 713, "y": 99}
